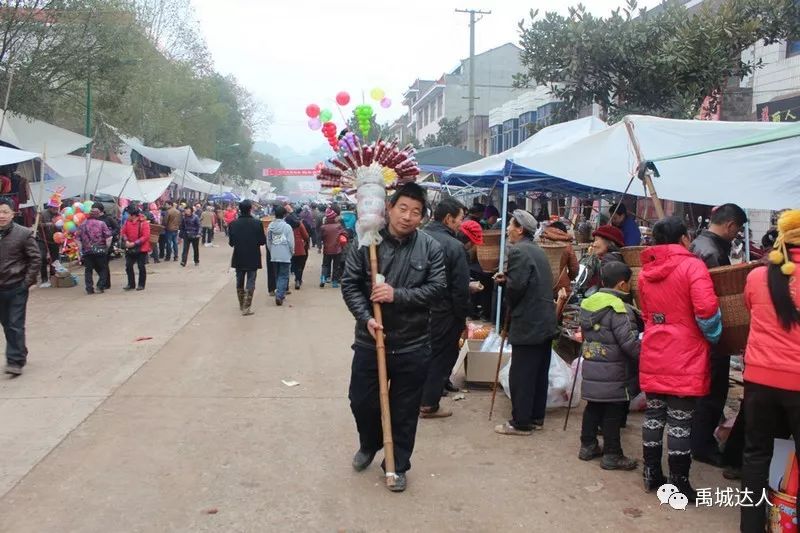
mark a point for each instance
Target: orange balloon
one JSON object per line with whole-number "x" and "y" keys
{"x": 79, "y": 218}
{"x": 68, "y": 217}
{"x": 58, "y": 237}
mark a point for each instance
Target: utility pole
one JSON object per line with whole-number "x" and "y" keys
{"x": 471, "y": 108}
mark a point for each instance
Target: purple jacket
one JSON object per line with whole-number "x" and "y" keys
{"x": 190, "y": 227}
{"x": 93, "y": 231}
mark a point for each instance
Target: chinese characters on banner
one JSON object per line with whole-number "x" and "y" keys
{"x": 786, "y": 110}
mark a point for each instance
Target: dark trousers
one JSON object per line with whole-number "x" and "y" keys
{"x": 673, "y": 413}
{"x": 272, "y": 278}
{"x": 47, "y": 249}
{"x": 140, "y": 260}
{"x": 171, "y": 238}
{"x": 13, "y": 304}
{"x": 407, "y": 373}
{"x": 444, "y": 354}
{"x": 528, "y": 379}
{"x": 330, "y": 267}
{"x": 246, "y": 279}
{"x": 484, "y": 298}
{"x": 195, "y": 244}
{"x": 96, "y": 263}
{"x": 162, "y": 245}
{"x": 709, "y": 409}
{"x": 298, "y": 266}
{"x": 609, "y": 416}
{"x": 208, "y": 235}
{"x": 766, "y": 409}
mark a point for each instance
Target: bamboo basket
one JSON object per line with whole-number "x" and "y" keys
{"x": 632, "y": 255}
{"x": 155, "y": 231}
{"x": 553, "y": 251}
{"x": 729, "y": 282}
{"x": 489, "y": 251}
{"x": 265, "y": 222}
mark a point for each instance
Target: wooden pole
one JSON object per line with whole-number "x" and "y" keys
{"x": 571, "y": 394}
{"x": 648, "y": 181}
{"x": 503, "y": 336}
{"x": 383, "y": 379}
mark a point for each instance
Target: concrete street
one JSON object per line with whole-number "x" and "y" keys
{"x": 193, "y": 430}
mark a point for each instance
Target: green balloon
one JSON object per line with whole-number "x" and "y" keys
{"x": 325, "y": 115}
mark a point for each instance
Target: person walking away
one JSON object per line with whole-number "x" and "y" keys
{"x": 162, "y": 238}
{"x": 19, "y": 266}
{"x": 556, "y": 233}
{"x": 94, "y": 237}
{"x": 529, "y": 293}
{"x": 772, "y": 365}
{"x": 44, "y": 239}
{"x": 136, "y": 243}
{"x": 190, "y": 235}
{"x": 319, "y": 220}
{"x": 610, "y": 354}
{"x": 307, "y": 216}
{"x": 412, "y": 264}
{"x": 682, "y": 316}
{"x": 449, "y": 313}
{"x": 172, "y": 226}
{"x": 620, "y": 218}
{"x": 301, "y": 238}
{"x": 713, "y": 247}
{"x": 246, "y": 236}
{"x": 280, "y": 243}
{"x": 207, "y": 225}
{"x": 230, "y": 216}
{"x": 332, "y": 230}
{"x": 219, "y": 217}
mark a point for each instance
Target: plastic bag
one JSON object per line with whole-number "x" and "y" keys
{"x": 371, "y": 204}
{"x": 639, "y": 403}
{"x": 559, "y": 380}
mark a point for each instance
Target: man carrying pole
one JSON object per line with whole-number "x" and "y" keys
{"x": 411, "y": 278}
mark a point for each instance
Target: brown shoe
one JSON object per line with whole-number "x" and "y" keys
{"x": 508, "y": 429}
{"x": 429, "y": 412}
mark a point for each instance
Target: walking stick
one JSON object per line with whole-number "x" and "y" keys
{"x": 574, "y": 380}
{"x": 383, "y": 380}
{"x": 503, "y": 335}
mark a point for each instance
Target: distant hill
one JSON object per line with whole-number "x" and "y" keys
{"x": 290, "y": 158}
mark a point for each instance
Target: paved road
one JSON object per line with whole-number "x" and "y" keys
{"x": 193, "y": 430}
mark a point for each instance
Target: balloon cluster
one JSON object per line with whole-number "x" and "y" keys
{"x": 379, "y": 95}
{"x": 348, "y": 142}
{"x": 70, "y": 219}
{"x": 364, "y": 114}
{"x": 329, "y": 131}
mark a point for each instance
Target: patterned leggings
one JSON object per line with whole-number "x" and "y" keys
{"x": 675, "y": 413}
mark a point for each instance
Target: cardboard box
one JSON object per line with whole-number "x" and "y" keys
{"x": 62, "y": 283}
{"x": 481, "y": 367}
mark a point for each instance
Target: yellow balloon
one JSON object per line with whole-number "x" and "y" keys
{"x": 336, "y": 190}
{"x": 377, "y": 94}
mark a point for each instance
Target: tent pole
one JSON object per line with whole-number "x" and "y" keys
{"x": 123, "y": 187}
{"x": 185, "y": 167}
{"x": 648, "y": 181}
{"x": 503, "y": 224}
{"x": 99, "y": 174}
{"x": 747, "y": 237}
{"x": 5, "y": 103}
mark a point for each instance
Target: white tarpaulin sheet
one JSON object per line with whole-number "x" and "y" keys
{"x": 763, "y": 176}
{"x": 139, "y": 190}
{"x": 37, "y": 136}
{"x": 174, "y": 157}
{"x": 68, "y": 174}
{"x": 192, "y": 182}
{"x": 9, "y": 156}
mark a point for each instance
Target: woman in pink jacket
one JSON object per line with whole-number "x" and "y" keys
{"x": 681, "y": 314}
{"x": 772, "y": 363}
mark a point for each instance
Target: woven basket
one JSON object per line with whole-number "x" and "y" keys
{"x": 155, "y": 231}
{"x": 266, "y": 221}
{"x": 635, "y": 273}
{"x": 632, "y": 255}
{"x": 489, "y": 251}
{"x": 729, "y": 282}
{"x": 553, "y": 251}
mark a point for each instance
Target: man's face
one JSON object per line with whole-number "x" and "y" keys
{"x": 405, "y": 216}
{"x": 732, "y": 229}
{"x": 454, "y": 222}
{"x": 6, "y": 215}
{"x": 618, "y": 219}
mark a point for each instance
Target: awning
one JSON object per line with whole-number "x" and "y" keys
{"x": 139, "y": 190}
{"x": 69, "y": 172}
{"x": 192, "y": 182}
{"x": 10, "y": 156}
{"x": 174, "y": 157}
{"x": 33, "y": 135}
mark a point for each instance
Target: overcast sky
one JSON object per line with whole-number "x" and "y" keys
{"x": 292, "y": 53}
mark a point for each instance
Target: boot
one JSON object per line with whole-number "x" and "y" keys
{"x": 652, "y": 473}
{"x": 240, "y": 294}
{"x": 679, "y": 466}
{"x": 248, "y": 301}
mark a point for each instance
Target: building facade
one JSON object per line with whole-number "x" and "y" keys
{"x": 520, "y": 117}
{"x": 776, "y": 85}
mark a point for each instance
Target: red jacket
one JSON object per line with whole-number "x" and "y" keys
{"x": 230, "y": 215}
{"x": 300, "y": 240}
{"x": 137, "y": 230}
{"x": 330, "y": 238}
{"x": 676, "y": 289}
{"x": 773, "y": 354}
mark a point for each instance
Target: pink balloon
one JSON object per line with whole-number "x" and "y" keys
{"x": 386, "y": 103}
{"x": 314, "y": 124}
{"x": 343, "y": 98}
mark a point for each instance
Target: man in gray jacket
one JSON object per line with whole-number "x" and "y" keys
{"x": 280, "y": 243}
{"x": 19, "y": 266}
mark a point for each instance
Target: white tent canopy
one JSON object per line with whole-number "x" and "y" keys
{"x": 139, "y": 190}
{"x": 37, "y": 136}
{"x": 69, "y": 172}
{"x": 9, "y": 156}
{"x": 190, "y": 181}
{"x": 174, "y": 157}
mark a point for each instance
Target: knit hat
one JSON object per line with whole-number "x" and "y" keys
{"x": 788, "y": 233}
{"x": 611, "y": 233}
{"x": 525, "y": 220}
{"x": 330, "y": 214}
{"x": 473, "y": 231}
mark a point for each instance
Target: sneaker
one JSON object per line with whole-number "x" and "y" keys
{"x": 430, "y": 412}
{"x": 14, "y": 370}
{"x": 99, "y": 290}
{"x": 618, "y": 462}
{"x": 362, "y": 459}
{"x": 587, "y": 453}
{"x": 508, "y": 429}
{"x": 272, "y": 293}
{"x": 399, "y": 483}
{"x": 45, "y": 285}
{"x": 335, "y": 285}
{"x": 278, "y": 301}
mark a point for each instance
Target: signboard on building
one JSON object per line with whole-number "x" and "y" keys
{"x": 785, "y": 110}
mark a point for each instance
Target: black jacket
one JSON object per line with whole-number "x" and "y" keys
{"x": 451, "y": 310}
{"x": 111, "y": 222}
{"x": 414, "y": 267}
{"x": 712, "y": 249}
{"x": 19, "y": 257}
{"x": 610, "y": 348}
{"x": 529, "y": 292}
{"x": 246, "y": 235}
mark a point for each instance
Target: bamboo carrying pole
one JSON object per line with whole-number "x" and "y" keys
{"x": 648, "y": 181}
{"x": 383, "y": 379}
{"x": 503, "y": 336}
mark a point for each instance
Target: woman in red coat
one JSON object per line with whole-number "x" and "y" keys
{"x": 772, "y": 363}
{"x": 301, "y": 238}
{"x": 135, "y": 235}
{"x": 681, "y": 314}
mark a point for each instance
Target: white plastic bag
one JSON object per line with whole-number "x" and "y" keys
{"x": 371, "y": 204}
{"x": 559, "y": 382}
